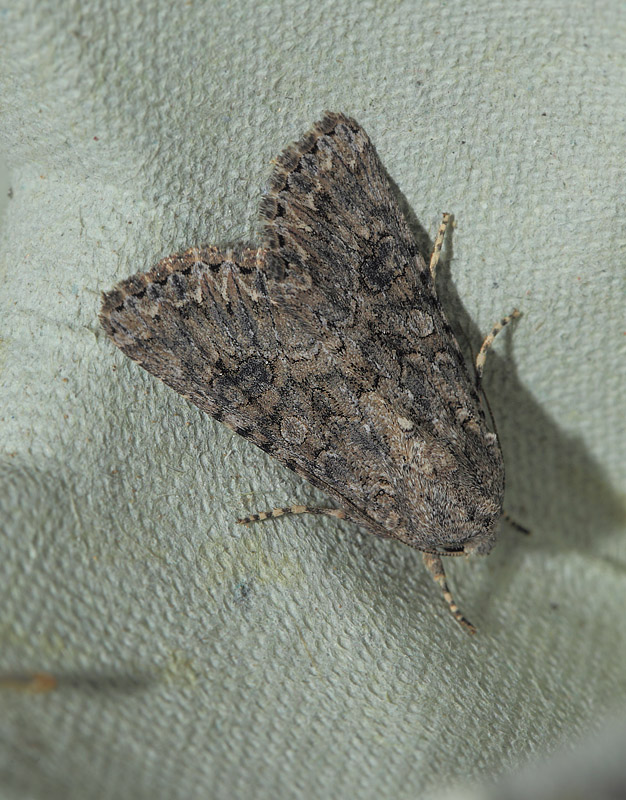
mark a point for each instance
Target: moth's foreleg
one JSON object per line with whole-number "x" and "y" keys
{"x": 482, "y": 353}
{"x": 435, "y": 566}
{"x": 278, "y": 512}
{"x": 434, "y": 259}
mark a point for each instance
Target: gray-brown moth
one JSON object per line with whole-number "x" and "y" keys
{"x": 327, "y": 347}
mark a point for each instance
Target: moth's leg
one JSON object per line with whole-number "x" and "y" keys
{"x": 278, "y": 512}
{"x": 482, "y": 353}
{"x": 435, "y": 566}
{"x": 438, "y": 244}
{"x": 516, "y": 525}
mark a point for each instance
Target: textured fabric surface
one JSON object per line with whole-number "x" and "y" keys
{"x": 302, "y": 657}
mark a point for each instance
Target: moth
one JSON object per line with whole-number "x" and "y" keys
{"x": 328, "y": 348}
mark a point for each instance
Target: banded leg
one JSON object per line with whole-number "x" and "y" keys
{"x": 278, "y": 512}
{"x": 482, "y": 353}
{"x": 438, "y": 244}
{"x": 435, "y": 566}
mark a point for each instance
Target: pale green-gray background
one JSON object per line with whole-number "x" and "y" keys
{"x": 303, "y": 657}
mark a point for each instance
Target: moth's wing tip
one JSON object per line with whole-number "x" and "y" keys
{"x": 287, "y": 162}
{"x": 108, "y": 302}
{"x": 113, "y": 299}
{"x": 332, "y": 119}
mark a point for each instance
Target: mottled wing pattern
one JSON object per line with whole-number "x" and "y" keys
{"x": 327, "y": 348}
{"x": 194, "y": 322}
{"x": 204, "y": 323}
{"x": 329, "y": 203}
{"x": 333, "y": 226}
{"x": 330, "y": 216}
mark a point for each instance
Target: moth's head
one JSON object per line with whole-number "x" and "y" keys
{"x": 452, "y": 496}
{"x": 467, "y": 538}
{"x": 475, "y": 540}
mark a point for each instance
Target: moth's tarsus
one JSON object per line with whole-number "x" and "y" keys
{"x": 434, "y": 565}
{"x": 282, "y": 510}
{"x": 441, "y": 234}
{"x": 328, "y": 348}
{"x": 482, "y": 353}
